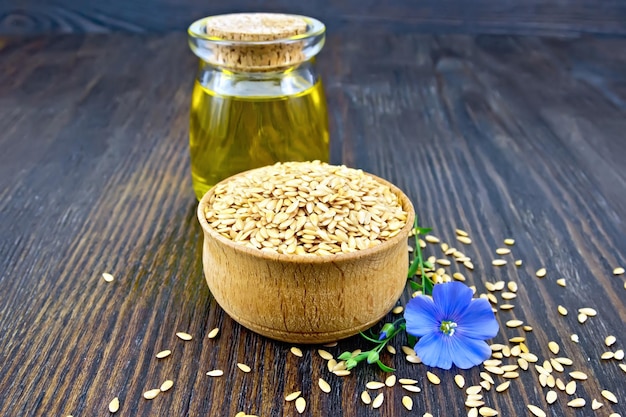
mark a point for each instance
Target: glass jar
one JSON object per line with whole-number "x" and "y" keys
{"x": 257, "y": 98}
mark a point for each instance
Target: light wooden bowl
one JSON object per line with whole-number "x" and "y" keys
{"x": 301, "y": 298}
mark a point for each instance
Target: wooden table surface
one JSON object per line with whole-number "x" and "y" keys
{"x": 502, "y": 136}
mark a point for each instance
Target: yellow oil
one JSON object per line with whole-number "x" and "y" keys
{"x": 230, "y": 134}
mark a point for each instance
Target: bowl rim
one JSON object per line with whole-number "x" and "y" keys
{"x": 310, "y": 259}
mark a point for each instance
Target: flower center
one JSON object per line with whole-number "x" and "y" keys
{"x": 447, "y": 327}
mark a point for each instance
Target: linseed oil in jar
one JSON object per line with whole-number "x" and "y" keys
{"x": 257, "y": 99}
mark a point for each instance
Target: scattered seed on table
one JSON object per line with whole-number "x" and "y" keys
{"x": 412, "y": 388}
{"x": 570, "y": 388}
{"x": 507, "y": 306}
{"x": 517, "y": 339}
{"x": 508, "y": 295}
{"x": 243, "y": 367}
{"x": 554, "y": 347}
{"x": 469, "y": 265}
{"x": 163, "y": 354}
{"x": 607, "y": 355}
{"x": 622, "y": 366}
{"x": 296, "y": 351}
{"x": 374, "y": 385}
{"x": 324, "y": 386}
{"x": 560, "y": 384}
{"x": 166, "y": 385}
{"x": 503, "y": 386}
{"x": 107, "y": 277}
{"x": 556, "y": 365}
{"x": 619, "y": 354}
{"x": 578, "y": 375}
{"x": 431, "y": 239}
{"x": 564, "y": 361}
{"x": 434, "y": 379}
{"x": 413, "y": 359}
{"x": 464, "y": 239}
{"x": 407, "y": 381}
{"x": 512, "y": 286}
{"x": 595, "y": 404}
{"x": 574, "y": 338}
{"x": 577, "y": 403}
{"x": 474, "y": 403}
{"x": 523, "y": 363}
{"x": 458, "y": 276}
{"x": 114, "y": 405}
{"x": 609, "y": 396}
{"x": 365, "y": 397}
{"x": 509, "y": 242}
{"x": 330, "y": 344}
{"x": 378, "y": 401}
{"x": 408, "y": 350}
{"x": 530, "y": 357}
{"x": 397, "y": 310}
{"x": 503, "y": 251}
{"x": 407, "y": 402}
{"x": 518, "y": 262}
{"x": 213, "y": 333}
{"x": 151, "y": 394}
{"x": 390, "y": 381}
{"x": 582, "y": 318}
{"x": 618, "y": 271}
{"x": 551, "y": 397}
{"x": 487, "y": 377}
{"x": 215, "y": 373}
{"x": 443, "y": 262}
{"x": 300, "y": 405}
{"x": 292, "y": 396}
{"x": 514, "y": 323}
{"x": 473, "y": 390}
{"x": 562, "y": 310}
{"x": 538, "y": 412}
{"x": 459, "y": 380}
{"x": 587, "y": 311}
{"x": 487, "y": 412}
{"x": 325, "y": 354}
{"x": 561, "y": 282}
{"x": 473, "y": 412}
{"x": 541, "y": 272}
{"x": 184, "y": 336}
{"x": 342, "y": 372}
{"x": 498, "y": 262}
{"x": 461, "y": 232}
{"x": 390, "y": 349}
{"x": 610, "y": 340}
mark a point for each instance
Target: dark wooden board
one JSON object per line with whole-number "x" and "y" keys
{"x": 501, "y": 136}
{"x": 554, "y": 17}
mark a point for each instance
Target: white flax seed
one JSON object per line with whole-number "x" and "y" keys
{"x": 498, "y": 262}
{"x": 577, "y": 403}
{"x": 300, "y": 405}
{"x": 163, "y": 354}
{"x": 618, "y": 271}
{"x": 503, "y": 386}
{"x": 325, "y": 354}
{"x": 578, "y": 375}
{"x": 107, "y": 277}
{"x": 390, "y": 381}
{"x": 562, "y": 310}
{"x": 166, "y": 385}
{"x": 151, "y": 394}
{"x": 324, "y": 386}
{"x": 184, "y": 336}
{"x": 434, "y": 379}
{"x": 551, "y": 397}
{"x": 609, "y": 396}
{"x": 610, "y": 340}
{"x": 536, "y": 411}
{"x": 459, "y": 380}
{"x": 296, "y": 351}
{"x": 378, "y": 401}
{"x": 114, "y": 405}
{"x": 213, "y": 333}
{"x": 554, "y": 347}
{"x": 374, "y": 385}
{"x": 292, "y": 396}
{"x": 595, "y": 404}
{"x": 215, "y": 373}
{"x": 365, "y": 397}
{"x": 487, "y": 412}
{"x": 243, "y": 367}
{"x": 541, "y": 272}
{"x": 407, "y": 402}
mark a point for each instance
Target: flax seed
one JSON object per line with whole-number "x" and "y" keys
{"x": 184, "y": 336}
{"x": 300, "y": 405}
{"x": 166, "y": 385}
{"x": 296, "y": 351}
{"x": 536, "y": 411}
{"x": 434, "y": 379}
{"x": 292, "y": 396}
{"x": 374, "y": 385}
{"x": 107, "y": 277}
{"x": 215, "y": 373}
{"x": 365, "y": 397}
{"x": 378, "y": 401}
{"x": 114, "y": 405}
{"x": 577, "y": 403}
{"x": 541, "y": 272}
{"x": 407, "y": 402}
{"x": 213, "y": 333}
{"x": 163, "y": 354}
{"x": 151, "y": 394}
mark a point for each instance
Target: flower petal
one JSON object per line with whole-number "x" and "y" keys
{"x": 433, "y": 351}
{"x": 452, "y": 298}
{"x": 422, "y": 316}
{"x": 478, "y": 321}
{"x": 466, "y": 352}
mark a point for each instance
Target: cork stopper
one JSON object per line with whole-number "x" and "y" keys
{"x": 256, "y": 41}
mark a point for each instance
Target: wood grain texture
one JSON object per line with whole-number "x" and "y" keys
{"x": 555, "y": 17}
{"x": 502, "y": 136}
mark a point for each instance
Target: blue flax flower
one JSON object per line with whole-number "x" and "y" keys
{"x": 451, "y": 326}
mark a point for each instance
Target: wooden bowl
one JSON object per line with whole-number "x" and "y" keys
{"x": 305, "y": 298}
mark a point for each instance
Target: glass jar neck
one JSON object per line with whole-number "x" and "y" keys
{"x": 284, "y": 82}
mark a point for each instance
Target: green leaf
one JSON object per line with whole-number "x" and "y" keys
{"x": 415, "y": 286}
{"x": 384, "y": 367}
{"x": 345, "y": 356}
{"x": 411, "y": 340}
